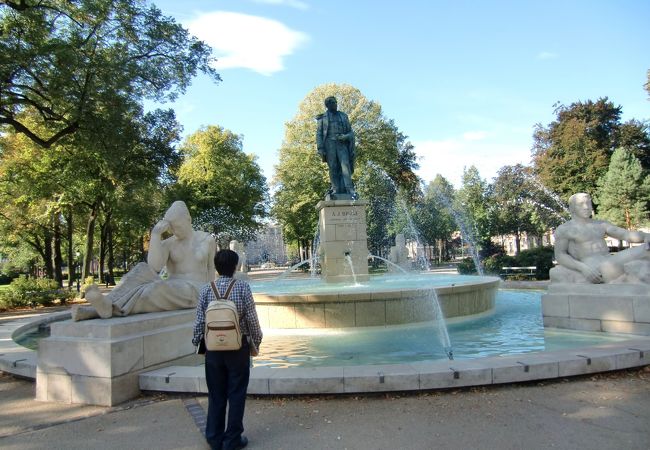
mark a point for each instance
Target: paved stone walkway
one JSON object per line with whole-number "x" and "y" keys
{"x": 607, "y": 411}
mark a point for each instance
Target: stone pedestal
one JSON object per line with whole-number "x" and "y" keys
{"x": 614, "y": 308}
{"x": 343, "y": 240}
{"x": 98, "y": 361}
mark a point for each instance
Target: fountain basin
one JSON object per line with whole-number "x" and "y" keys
{"x": 188, "y": 376}
{"x": 387, "y": 301}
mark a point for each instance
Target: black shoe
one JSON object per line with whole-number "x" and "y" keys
{"x": 243, "y": 442}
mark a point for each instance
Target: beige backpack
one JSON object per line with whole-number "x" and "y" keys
{"x": 222, "y": 331}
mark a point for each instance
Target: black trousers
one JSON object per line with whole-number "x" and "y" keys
{"x": 226, "y": 374}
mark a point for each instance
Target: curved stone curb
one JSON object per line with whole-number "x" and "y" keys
{"x": 425, "y": 375}
{"x": 14, "y": 358}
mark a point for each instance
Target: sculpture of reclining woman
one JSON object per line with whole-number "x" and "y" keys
{"x": 188, "y": 256}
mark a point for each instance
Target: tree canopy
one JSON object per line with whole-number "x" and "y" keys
{"x": 223, "y": 187}
{"x": 623, "y": 192}
{"x": 63, "y": 62}
{"x": 572, "y": 153}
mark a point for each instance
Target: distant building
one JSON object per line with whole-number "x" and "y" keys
{"x": 547, "y": 240}
{"x": 268, "y": 246}
{"x": 526, "y": 242}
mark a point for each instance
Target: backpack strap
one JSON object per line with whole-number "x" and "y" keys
{"x": 230, "y": 286}
{"x": 213, "y": 285}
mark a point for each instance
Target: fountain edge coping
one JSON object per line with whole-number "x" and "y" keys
{"x": 335, "y": 297}
{"x": 425, "y": 375}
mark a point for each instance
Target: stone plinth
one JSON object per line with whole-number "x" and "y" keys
{"x": 614, "y": 308}
{"x": 343, "y": 240}
{"x": 98, "y": 361}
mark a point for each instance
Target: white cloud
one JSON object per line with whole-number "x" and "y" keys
{"x": 449, "y": 157}
{"x": 547, "y": 55}
{"x": 291, "y": 3}
{"x": 244, "y": 41}
{"x": 475, "y": 135}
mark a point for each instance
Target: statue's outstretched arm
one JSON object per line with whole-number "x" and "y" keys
{"x": 626, "y": 235}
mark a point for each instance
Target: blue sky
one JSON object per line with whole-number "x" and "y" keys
{"x": 466, "y": 81}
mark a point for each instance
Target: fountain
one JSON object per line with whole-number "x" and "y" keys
{"x": 386, "y": 311}
{"x": 109, "y": 361}
{"x": 346, "y": 296}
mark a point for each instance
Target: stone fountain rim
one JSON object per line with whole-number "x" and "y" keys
{"x": 361, "y": 294}
{"x": 417, "y": 376}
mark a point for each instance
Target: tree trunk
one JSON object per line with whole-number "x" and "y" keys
{"x": 90, "y": 236}
{"x": 103, "y": 248}
{"x": 58, "y": 256}
{"x": 143, "y": 253}
{"x": 72, "y": 268}
{"x": 111, "y": 260}
{"x": 517, "y": 243}
{"x": 102, "y": 252}
{"x": 47, "y": 254}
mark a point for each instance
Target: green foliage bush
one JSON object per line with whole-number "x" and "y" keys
{"x": 540, "y": 257}
{"x": 493, "y": 264}
{"x": 467, "y": 267}
{"x": 29, "y": 292}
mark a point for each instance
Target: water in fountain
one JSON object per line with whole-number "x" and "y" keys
{"x": 315, "y": 253}
{"x": 538, "y": 184}
{"x": 413, "y": 231}
{"x": 390, "y": 263}
{"x": 468, "y": 236}
{"x": 284, "y": 274}
{"x": 421, "y": 258}
{"x": 348, "y": 260}
{"x": 443, "y": 332}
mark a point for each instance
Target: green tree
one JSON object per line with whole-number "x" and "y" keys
{"x": 472, "y": 207}
{"x": 29, "y": 194}
{"x": 301, "y": 179}
{"x": 95, "y": 172}
{"x": 63, "y": 61}
{"x": 634, "y": 136}
{"x": 514, "y": 205}
{"x": 433, "y": 216}
{"x": 374, "y": 185}
{"x": 623, "y": 192}
{"x": 124, "y": 153}
{"x": 573, "y": 152}
{"x": 223, "y": 186}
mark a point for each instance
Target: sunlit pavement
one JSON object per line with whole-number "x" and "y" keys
{"x": 608, "y": 411}
{"x": 605, "y": 411}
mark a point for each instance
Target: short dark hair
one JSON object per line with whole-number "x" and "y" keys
{"x": 330, "y": 99}
{"x": 225, "y": 261}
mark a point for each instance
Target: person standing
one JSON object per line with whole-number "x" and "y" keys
{"x": 227, "y": 372}
{"x": 335, "y": 144}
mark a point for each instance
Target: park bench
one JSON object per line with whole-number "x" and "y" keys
{"x": 512, "y": 271}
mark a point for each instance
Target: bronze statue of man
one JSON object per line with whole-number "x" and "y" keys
{"x": 335, "y": 144}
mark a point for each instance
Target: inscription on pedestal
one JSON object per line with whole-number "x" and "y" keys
{"x": 343, "y": 237}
